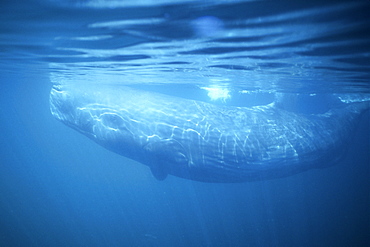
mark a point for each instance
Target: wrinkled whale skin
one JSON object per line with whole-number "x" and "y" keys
{"x": 201, "y": 141}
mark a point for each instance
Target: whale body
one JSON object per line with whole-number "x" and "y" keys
{"x": 201, "y": 141}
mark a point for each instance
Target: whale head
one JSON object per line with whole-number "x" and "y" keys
{"x": 93, "y": 113}
{"x": 123, "y": 121}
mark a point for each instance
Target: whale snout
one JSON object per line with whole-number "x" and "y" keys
{"x": 64, "y": 106}
{"x": 61, "y": 105}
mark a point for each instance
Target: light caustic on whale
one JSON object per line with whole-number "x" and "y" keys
{"x": 201, "y": 141}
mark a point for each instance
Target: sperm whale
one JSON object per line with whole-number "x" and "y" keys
{"x": 202, "y": 141}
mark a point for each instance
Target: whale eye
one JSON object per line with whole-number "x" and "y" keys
{"x": 112, "y": 120}
{"x": 181, "y": 158}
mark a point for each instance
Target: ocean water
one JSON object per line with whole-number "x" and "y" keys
{"x": 58, "y": 188}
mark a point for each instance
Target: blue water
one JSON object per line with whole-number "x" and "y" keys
{"x": 58, "y": 188}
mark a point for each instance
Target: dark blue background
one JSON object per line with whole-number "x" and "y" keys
{"x": 58, "y": 188}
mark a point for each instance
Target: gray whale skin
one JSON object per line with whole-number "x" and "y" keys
{"x": 201, "y": 141}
